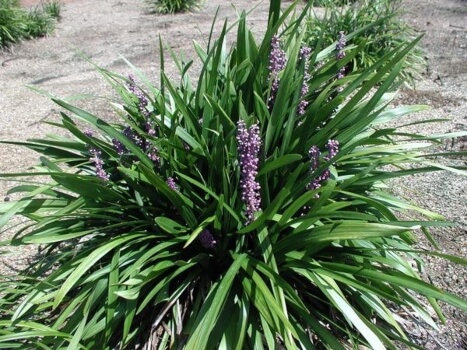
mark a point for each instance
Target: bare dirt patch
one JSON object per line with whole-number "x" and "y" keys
{"x": 107, "y": 30}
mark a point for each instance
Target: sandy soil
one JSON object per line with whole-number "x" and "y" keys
{"x": 106, "y": 30}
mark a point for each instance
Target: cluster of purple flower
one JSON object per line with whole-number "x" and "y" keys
{"x": 142, "y": 142}
{"x": 305, "y": 53}
{"x": 249, "y": 144}
{"x": 171, "y": 183}
{"x": 340, "y": 46}
{"x": 99, "y": 163}
{"x": 207, "y": 239}
{"x": 142, "y": 99}
{"x": 145, "y": 145}
{"x": 97, "y": 160}
{"x": 277, "y": 63}
{"x": 119, "y": 147}
{"x": 148, "y": 125}
{"x": 314, "y": 154}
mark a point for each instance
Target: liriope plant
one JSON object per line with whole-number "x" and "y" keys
{"x": 17, "y": 23}
{"x": 173, "y": 6}
{"x": 375, "y": 40}
{"x": 248, "y": 210}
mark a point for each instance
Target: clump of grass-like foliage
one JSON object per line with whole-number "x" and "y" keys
{"x": 332, "y": 2}
{"x": 53, "y": 8}
{"x": 246, "y": 211}
{"x": 376, "y": 40}
{"x": 173, "y": 6}
{"x": 17, "y": 23}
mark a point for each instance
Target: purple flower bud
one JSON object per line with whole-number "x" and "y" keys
{"x": 152, "y": 152}
{"x": 143, "y": 144}
{"x": 314, "y": 154}
{"x": 305, "y": 53}
{"x": 119, "y": 147}
{"x": 133, "y": 136}
{"x": 249, "y": 144}
{"x": 171, "y": 183}
{"x": 207, "y": 239}
{"x": 150, "y": 128}
{"x": 341, "y": 73}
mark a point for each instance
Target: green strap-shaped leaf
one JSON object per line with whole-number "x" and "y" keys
{"x": 330, "y": 288}
{"x": 108, "y": 129}
{"x": 402, "y": 280}
{"x": 90, "y": 261}
{"x": 324, "y": 235}
{"x": 212, "y": 307}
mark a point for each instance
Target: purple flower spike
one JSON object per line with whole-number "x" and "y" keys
{"x": 340, "y": 46}
{"x": 98, "y": 163}
{"x": 119, "y": 147}
{"x": 277, "y": 63}
{"x": 333, "y": 149}
{"x": 207, "y": 239}
{"x": 277, "y": 57}
{"x": 96, "y": 159}
{"x": 142, "y": 100}
{"x": 341, "y": 42}
{"x": 249, "y": 144}
{"x": 305, "y": 53}
{"x": 314, "y": 154}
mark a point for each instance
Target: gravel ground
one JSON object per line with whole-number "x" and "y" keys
{"x": 105, "y": 30}
{"x": 444, "y": 87}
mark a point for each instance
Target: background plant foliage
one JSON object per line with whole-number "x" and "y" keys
{"x": 332, "y": 2}
{"x": 17, "y": 23}
{"x": 144, "y": 224}
{"x": 376, "y": 40}
{"x": 173, "y": 6}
